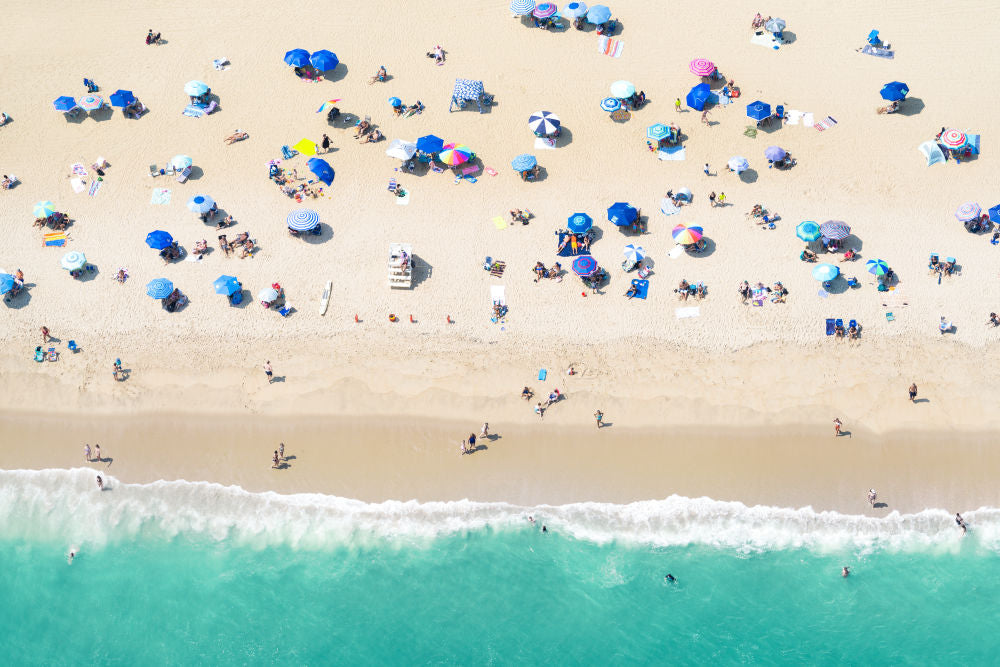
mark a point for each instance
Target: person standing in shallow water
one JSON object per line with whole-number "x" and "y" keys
{"x": 836, "y": 426}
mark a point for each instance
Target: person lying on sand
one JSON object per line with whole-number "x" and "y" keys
{"x": 362, "y": 128}
{"x": 380, "y": 75}
{"x": 372, "y": 138}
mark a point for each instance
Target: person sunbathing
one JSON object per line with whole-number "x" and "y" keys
{"x": 632, "y": 291}
{"x": 242, "y": 238}
{"x": 4, "y": 118}
{"x": 380, "y": 75}
{"x": 585, "y": 241}
{"x": 438, "y": 55}
{"x": 849, "y": 256}
{"x": 949, "y": 268}
{"x": 122, "y": 275}
{"x": 935, "y": 265}
{"x": 247, "y": 250}
{"x": 563, "y": 243}
{"x": 526, "y": 394}
{"x": 7, "y": 182}
{"x": 994, "y": 320}
{"x": 555, "y": 271}
{"x": 362, "y": 128}
{"x": 683, "y": 290}
{"x": 372, "y": 138}
{"x": 200, "y": 247}
{"x": 839, "y": 330}
{"x": 540, "y": 271}
{"x": 225, "y": 222}
{"x": 779, "y": 293}
{"x": 415, "y": 108}
{"x": 808, "y": 256}
{"x": 237, "y": 135}
{"x": 224, "y": 244}
{"x": 853, "y": 331}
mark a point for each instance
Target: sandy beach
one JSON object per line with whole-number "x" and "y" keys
{"x": 735, "y": 403}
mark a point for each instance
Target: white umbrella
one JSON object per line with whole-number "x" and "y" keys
{"x": 180, "y": 162}
{"x": 634, "y": 254}
{"x": 200, "y": 204}
{"x": 622, "y": 89}
{"x": 738, "y": 164}
{"x": 401, "y": 150}
{"x": 268, "y": 294}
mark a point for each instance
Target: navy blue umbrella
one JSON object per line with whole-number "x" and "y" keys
{"x": 122, "y": 98}
{"x": 622, "y": 214}
{"x": 322, "y": 170}
{"x": 697, "y": 96}
{"x": 579, "y": 223}
{"x": 324, "y": 60}
{"x": 64, "y": 103}
{"x": 159, "y": 288}
{"x": 758, "y": 110}
{"x": 297, "y": 58}
{"x": 895, "y": 91}
{"x": 430, "y": 144}
{"x": 159, "y": 239}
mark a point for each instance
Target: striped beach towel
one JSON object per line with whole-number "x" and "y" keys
{"x": 610, "y": 47}
{"x": 94, "y": 187}
{"x": 55, "y": 239}
{"x": 826, "y": 123}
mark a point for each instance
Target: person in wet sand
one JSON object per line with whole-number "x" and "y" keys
{"x": 599, "y": 417}
{"x": 837, "y": 424}
{"x": 274, "y": 459}
{"x": 961, "y": 523}
{"x": 100, "y": 483}
{"x": 872, "y": 495}
{"x": 913, "y": 391}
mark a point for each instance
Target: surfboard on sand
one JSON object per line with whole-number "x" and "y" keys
{"x": 324, "y": 302}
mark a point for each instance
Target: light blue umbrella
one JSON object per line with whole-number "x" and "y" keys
{"x": 522, "y": 7}
{"x": 227, "y": 285}
{"x": 297, "y": 58}
{"x": 775, "y": 153}
{"x": 200, "y": 204}
{"x": 74, "y": 260}
{"x": 611, "y": 104}
{"x": 598, "y": 14}
{"x": 181, "y": 162}
{"x": 64, "y": 103}
{"x": 825, "y": 272}
{"x": 634, "y": 253}
{"x": 524, "y": 162}
{"x": 808, "y": 231}
{"x": 159, "y": 239}
{"x": 775, "y": 25}
{"x": 267, "y": 295}
{"x": 574, "y": 10}
{"x": 657, "y": 131}
{"x": 159, "y": 288}
{"x": 195, "y": 88}
{"x": 302, "y": 220}
{"x": 877, "y": 266}
{"x": 579, "y": 223}
{"x": 622, "y": 89}
{"x": 395, "y": 102}
{"x": 324, "y": 60}
{"x": 758, "y": 110}
{"x": 6, "y": 283}
{"x": 43, "y": 209}
{"x": 738, "y": 164}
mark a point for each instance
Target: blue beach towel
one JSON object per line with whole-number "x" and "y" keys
{"x": 542, "y": 374}
{"x": 642, "y": 288}
{"x": 831, "y": 327}
{"x": 568, "y": 250}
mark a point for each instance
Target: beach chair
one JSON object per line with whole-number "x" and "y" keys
{"x": 39, "y": 354}
{"x": 53, "y": 355}
{"x": 393, "y": 185}
{"x": 643, "y": 271}
{"x": 154, "y": 170}
{"x": 211, "y": 107}
{"x": 91, "y": 86}
{"x": 236, "y": 298}
{"x": 436, "y": 169}
{"x": 285, "y": 310}
{"x": 287, "y": 153}
{"x": 168, "y": 169}
{"x": 831, "y": 326}
{"x": 72, "y": 346}
{"x": 182, "y": 175}
{"x": 852, "y": 323}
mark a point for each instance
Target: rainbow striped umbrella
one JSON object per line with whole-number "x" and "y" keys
{"x": 90, "y": 102}
{"x": 687, "y": 235}
{"x": 701, "y": 67}
{"x": 584, "y": 265}
{"x": 43, "y": 209}
{"x": 951, "y": 138}
{"x": 454, "y": 154}
{"x": 544, "y": 10}
{"x": 326, "y": 106}
{"x": 970, "y": 210}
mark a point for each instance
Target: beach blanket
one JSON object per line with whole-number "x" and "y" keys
{"x": 404, "y": 200}
{"x": 766, "y": 40}
{"x": 610, "y": 46}
{"x": 793, "y": 116}
{"x": 877, "y": 52}
{"x": 807, "y": 119}
{"x": 826, "y": 123}
{"x": 78, "y": 169}
{"x": 499, "y": 222}
{"x": 675, "y": 153}
{"x": 670, "y": 209}
{"x": 497, "y": 269}
{"x": 193, "y": 111}
{"x": 641, "y": 287}
{"x": 545, "y": 143}
{"x": 676, "y": 251}
{"x": 568, "y": 250}
{"x": 94, "y": 187}
{"x": 160, "y": 196}
{"x": 78, "y": 185}
{"x": 470, "y": 170}
{"x": 497, "y": 295}
{"x": 689, "y": 311}
{"x": 55, "y": 239}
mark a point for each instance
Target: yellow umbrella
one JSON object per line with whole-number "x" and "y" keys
{"x": 305, "y": 147}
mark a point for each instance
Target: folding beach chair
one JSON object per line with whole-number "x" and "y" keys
{"x": 182, "y": 175}
{"x": 154, "y": 170}
{"x": 393, "y": 185}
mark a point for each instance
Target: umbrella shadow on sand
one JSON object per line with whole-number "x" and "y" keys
{"x": 196, "y": 173}
{"x": 749, "y": 175}
{"x": 21, "y": 300}
{"x": 337, "y": 73}
{"x": 420, "y": 272}
{"x": 911, "y": 107}
{"x": 565, "y": 137}
{"x": 325, "y": 234}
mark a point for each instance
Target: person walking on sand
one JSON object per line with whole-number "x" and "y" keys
{"x": 677, "y": 105}
{"x": 281, "y": 451}
{"x": 961, "y": 523}
{"x": 704, "y": 117}
{"x": 326, "y": 144}
{"x": 269, "y": 372}
{"x": 45, "y": 334}
{"x": 913, "y": 391}
{"x": 274, "y": 460}
{"x": 872, "y": 495}
{"x": 97, "y": 453}
{"x": 711, "y": 199}
{"x": 485, "y": 431}
{"x": 836, "y": 426}
{"x": 465, "y": 447}
{"x": 722, "y": 198}
{"x": 599, "y": 418}
{"x": 472, "y": 442}
{"x": 539, "y": 410}
{"x": 100, "y": 483}
{"x": 706, "y": 169}
{"x": 86, "y": 452}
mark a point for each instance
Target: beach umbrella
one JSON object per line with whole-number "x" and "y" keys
{"x": 825, "y": 272}
{"x": 64, "y": 103}
{"x": 774, "y": 153}
{"x": 305, "y": 147}
{"x": 524, "y": 162}
{"x": 775, "y": 25}
{"x": 227, "y": 285}
{"x": 877, "y": 266}
{"x": 122, "y": 98}
{"x": 634, "y": 253}
{"x": 455, "y": 154}
{"x": 302, "y": 220}
{"x": 321, "y": 169}
{"x": 200, "y": 204}
{"x": 6, "y": 283}
{"x": 159, "y": 288}
{"x": 90, "y": 102}
{"x": 953, "y": 138}
{"x": 574, "y": 10}
{"x": 758, "y": 110}
{"x": 43, "y": 209}
{"x": 430, "y": 143}
{"x": 701, "y": 67}
{"x": 159, "y": 239}
{"x": 401, "y": 150}
{"x": 611, "y": 104}
{"x": 584, "y": 265}
{"x": 598, "y": 14}
{"x": 195, "y": 88}
{"x": 543, "y": 122}
{"x": 544, "y": 10}
{"x": 74, "y": 260}
{"x": 621, "y": 214}
{"x": 622, "y": 89}
{"x": 296, "y": 58}
{"x": 267, "y": 295}
{"x": 395, "y": 102}
{"x": 657, "y": 132}
{"x": 995, "y": 214}
{"x": 326, "y": 106}
{"x": 970, "y": 210}
{"x": 521, "y": 7}
{"x": 324, "y": 60}
{"x": 895, "y": 91}
{"x": 579, "y": 223}
{"x": 738, "y": 164}
{"x": 808, "y": 231}
{"x": 181, "y": 162}
{"x": 687, "y": 235}
{"x": 698, "y": 96}
{"x": 835, "y": 230}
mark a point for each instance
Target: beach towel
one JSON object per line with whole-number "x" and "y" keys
{"x": 689, "y": 311}
{"x": 610, "y": 46}
{"x": 568, "y": 250}
{"x": 676, "y": 251}
{"x": 472, "y": 179}
{"x": 469, "y": 170}
{"x": 404, "y": 200}
{"x": 831, "y": 327}
{"x": 94, "y": 187}
{"x": 78, "y": 169}
{"x": 670, "y": 209}
{"x": 78, "y": 185}
{"x": 674, "y": 153}
{"x": 499, "y": 222}
{"x": 491, "y": 171}
{"x": 877, "y": 52}
{"x": 793, "y": 116}
{"x": 193, "y": 111}
{"x": 642, "y": 288}
{"x": 497, "y": 269}
{"x": 807, "y": 119}
{"x": 758, "y": 297}
{"x": 545, "y": 143}
{"x": 826, "y": 123}
{"x": 55, "y": 239}
{"x": 160, "y": 196}
{"x": 497, "y": 295}
{"x": 766, "y": 40}
{"x": 542, "y": 374}
{"x": 822, "y": 294}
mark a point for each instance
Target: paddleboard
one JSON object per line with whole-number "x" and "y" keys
{"x": 324, "y": 302}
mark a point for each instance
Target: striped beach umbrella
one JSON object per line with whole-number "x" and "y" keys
{"x": 326, "y": 106}
{"x": 200, "y": 204}
{"x": 953, "y": 138}
{"x": 877, "y": 266}
{"x": 574, "y": 10}
{"x": 970, "y": 210}
{"x": 657, "y": 132}
{"x": 180, "y": 162}
{"x": 825, "y": 272}
{"x": 634, "y": 253}
{"x": 64, "y": 103}
{"x": 521, "y": 7}
{"x": 454, "y": 154}
{"x": 524, "y": 162}
{"x": 835, "y": 230}
{"x": 738, "y": 164}
{"x": 159, "y": 239}
{"x": 579, "y": 223}
{"x": 544, "y": 10}
{"x": 159, "y": 288}
{"x": 701, "y": 67}
{"x": 687, "y": 235}
{"x": 302, "y": 220}
{"x": 808, "y": 231}
{"x": 598, "y": 14}
{"x": 43, "y": 209}
{"x": 622, "y": 89}
{"x": 227, "y": 285}
{"x": 295, "y": 58}
{"x": 543, "y": 122}
{"x": 584, "y": 265}
{"x": 91, "y": 102}
{"x": 74, "y": 260}
{"x": 611, "y": 104}
{"x": 195, "y": 88}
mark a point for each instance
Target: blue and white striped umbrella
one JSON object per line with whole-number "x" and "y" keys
{"x": 835, "y": 229}
{"x": 159, "y": 288}
{"x": 574, "y": 10}
{"x": 544, "y": 122}
{"x": 302, "y": 220}
{"x": 524, "y": 162}
{"x": 522, "y": 7}
{"x": 200, "y": 204}
{"x": 634, "y": 253}
{"x": 611, "y": 104}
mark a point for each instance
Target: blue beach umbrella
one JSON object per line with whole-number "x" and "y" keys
{"x": 200, "y": 204}
{"x": 697, "y": 96}
{"x": 159, "y": 239}
{"x": 895, "y": 91}
{"x": 302, "y": 220}
{"x": 122, "y": 98}
{"x": 430, "y": 144}
{"x": 579, "y": 223}
{"x": 64, "y": 103}
{"x": 584, "y": 265}
{"x": 159, "y": 288}
{"x": 657, "y": 131}
{"x": 395, "y": 102}
{"x": 195, "y": 88}
{"x": 544, "y": 122}
{"x": 611, "y": 104}
{"x": 6, "y": 283}
{"x": 73, "y": 260}
{"x": 877, "y": 266}
{"x": 227, "y": 285}
{"x": 994, "y": 214}
{"x": 523, "y": 162}
{"x": 522, "y": 7}
{"x": 622, "y": 214}
{"x": 825, "y": 272}
{"x": 574, "y": 10}
{"x": 297, "y": 58}
{"x": 322, "y": 169}
{"x": 738, "y": 163}
{"x": 758, "y": 110}
{"x": 598, "y": 14}
{"x": 634, "y": 253}
{"x": 324, "y": 60}
{"x": 774, "y": 153}
{"x": 808, "y": 231}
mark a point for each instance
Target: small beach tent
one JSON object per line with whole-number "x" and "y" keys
{"x": 322, "y": 169}
{"x": 932, "y": 152}
{"x": 467, "y": 90}
{"x": 697, "y": 96}
{"x": 873, "y": 38}
{"x": 401, "y": 150}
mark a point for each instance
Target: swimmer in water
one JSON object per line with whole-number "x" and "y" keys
{"x": 670, "y": 579}
{"x": 845, "y": 572}
{"x": 961, "y": 522}
{"x": 72, "y": 555}
{"x": 531, "y": 519}
{"x": 544, "y": 529}
{"x": 100, "y": 483}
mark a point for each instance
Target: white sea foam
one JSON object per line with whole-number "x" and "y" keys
{"x": 65, "y": 505}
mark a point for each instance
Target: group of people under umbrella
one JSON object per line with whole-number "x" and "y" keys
{"x": 429, "y": 148}
{"x": 542, "y": 14}
{"x": 832, "y": 233}
{"x": 311, "y": 66}
{"x": 971, "y": 215}
{"x": 623, "y": 98}
{"x": 130, "y": 105}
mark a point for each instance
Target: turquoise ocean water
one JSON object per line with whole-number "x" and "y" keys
{"x": 197, "y": 573}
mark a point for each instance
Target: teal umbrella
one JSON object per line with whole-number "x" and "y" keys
{"x": 825, "y": 272}
{"x": 74, "y": 260}
{"x": 877, "y": 266}
{"x": 808, "y": 231}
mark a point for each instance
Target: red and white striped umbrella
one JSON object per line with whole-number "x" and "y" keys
{"x": 970, "y": 210}
{"x": 701, "y": 67}
{"x": 954, "y": 138}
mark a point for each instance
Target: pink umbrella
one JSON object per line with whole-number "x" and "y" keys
{"x": 968, "y": 211}
{"x": 701, "y": 67}
{"x": 953, "y": 138}
{"x": 544, "y": 10}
